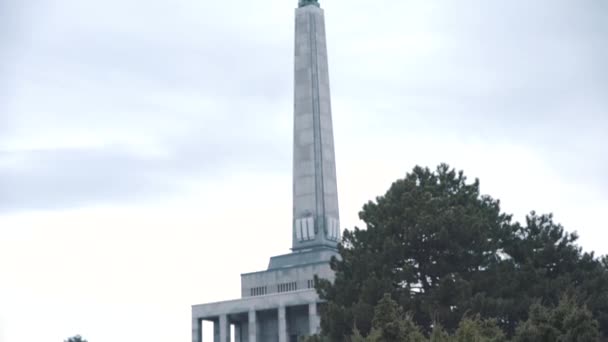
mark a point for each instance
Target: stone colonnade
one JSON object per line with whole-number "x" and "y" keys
{"x": 221, "y": 326}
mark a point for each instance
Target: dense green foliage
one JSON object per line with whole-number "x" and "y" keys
{"x": 442, "y": 251}
{"x": 568, "y": 322}
{"x": 76, "y": 338}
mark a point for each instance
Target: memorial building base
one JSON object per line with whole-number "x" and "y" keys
{"x": 278, "y": 305}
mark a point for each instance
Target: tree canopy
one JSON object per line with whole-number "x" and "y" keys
{"x": 442, "y": 251}
{"x": 76, "y": 338}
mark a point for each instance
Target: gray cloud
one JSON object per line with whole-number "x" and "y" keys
{"x": 75, "y": 177}
{"x": 64, "y": 178}
{"x": 212, "y": 86}
{"x": 524, "y": 73}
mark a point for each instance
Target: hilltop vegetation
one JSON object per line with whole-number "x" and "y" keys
{"x": 439, "y": 261}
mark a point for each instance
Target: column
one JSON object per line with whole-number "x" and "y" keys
{"x": 237, "y": 332}
{"x": 282, "y": 324}
{"x": 253, "y": 326}
{"x": 313, "y": 318}
{"x": 216, "y": 330}
{"x": 224, "y": 329}
{"x": 197, "y": 329}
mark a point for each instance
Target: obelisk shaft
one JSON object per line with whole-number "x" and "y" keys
{"x": 315, "y": 195}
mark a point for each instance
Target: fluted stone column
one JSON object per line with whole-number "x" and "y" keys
{"x": 313, "y": 318}
{"x": 253, "y": 326}
{"x": 282, "y": 324}
{"x": 197, "y": 329}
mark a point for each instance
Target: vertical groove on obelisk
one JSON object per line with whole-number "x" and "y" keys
{"x": 316, "y": 114}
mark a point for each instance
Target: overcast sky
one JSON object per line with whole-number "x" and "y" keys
{"x": 145, "y": 146}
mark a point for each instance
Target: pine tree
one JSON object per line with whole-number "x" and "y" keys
{"x": 443, "y": 251}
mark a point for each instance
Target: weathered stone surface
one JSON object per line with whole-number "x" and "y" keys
{"x": 314, "y": 168}
{"x": 260, "y": 318}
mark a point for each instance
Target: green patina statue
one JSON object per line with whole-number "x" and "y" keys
{"x": 303, "y": 3}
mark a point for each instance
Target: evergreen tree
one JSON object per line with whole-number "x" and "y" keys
{"x": 390, "y": 324}
{"x": 441, "y": 251}
{"x": 438, "y": 334}
{"x": 478, "y": 330}
{"x": 568, "y": 322}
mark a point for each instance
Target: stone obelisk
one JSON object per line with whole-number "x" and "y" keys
{"x": 280, "y": 303}
{"x": 315, "y": 195}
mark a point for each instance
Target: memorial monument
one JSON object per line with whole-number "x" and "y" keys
{"x": 280, "y": 303}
